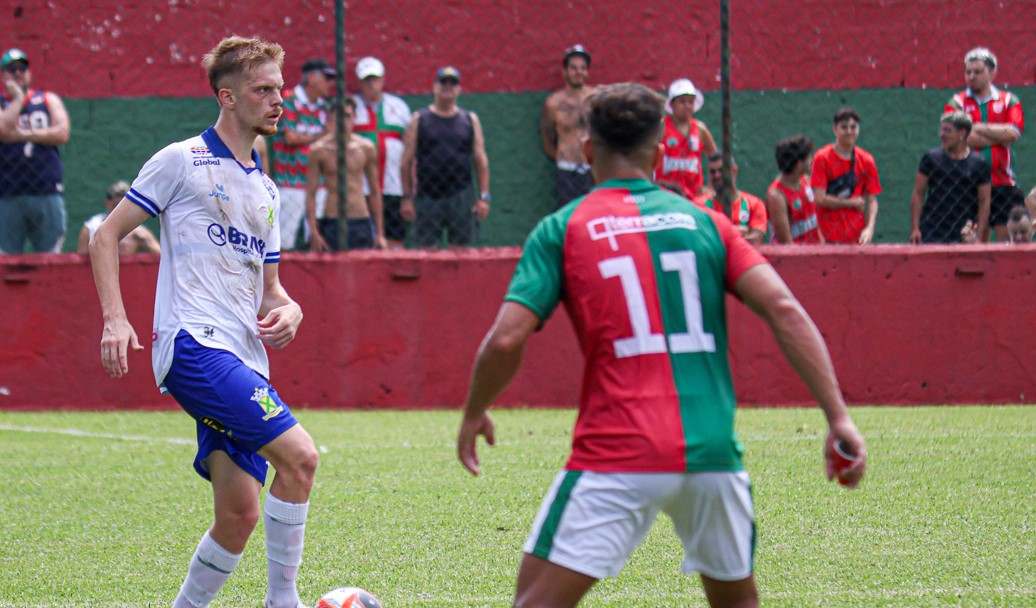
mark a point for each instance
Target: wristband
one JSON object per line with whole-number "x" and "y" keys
{"x": 485, "y": 197}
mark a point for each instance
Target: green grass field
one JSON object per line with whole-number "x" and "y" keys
{"x": 103, "y": 509}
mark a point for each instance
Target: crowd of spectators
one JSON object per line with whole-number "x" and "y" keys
{"x": 421, "y": 178}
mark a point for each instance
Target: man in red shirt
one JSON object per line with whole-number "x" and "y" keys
{"x": 997, "y": 122}
{"x": 846, "y": 185}
{"x": 790, "y": 200}
{"x": 747, "y": 211}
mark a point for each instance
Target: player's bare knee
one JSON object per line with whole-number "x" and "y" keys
{"x": 236, "y": 522}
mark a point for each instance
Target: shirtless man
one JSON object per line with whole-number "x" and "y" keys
{"x": 364, "y": 223}
{"x": 563, "y": 126}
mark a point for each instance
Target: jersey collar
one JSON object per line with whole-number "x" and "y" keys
{"x": 994, "y": 93}
{"x": 633, "y": 185}
{"x": 220, "y": 149}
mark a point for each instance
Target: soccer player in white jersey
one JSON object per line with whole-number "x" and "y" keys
{"x": 218, "y": 274}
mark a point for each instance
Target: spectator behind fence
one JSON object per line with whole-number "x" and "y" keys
{"x": 363, "y": 225}
{"x": 445, "y": 141}
{"x": 846, "y": 184}
{"x": 790, "y": 201}
{"x": 563, "y": 127}
{"x": 951, "y": 187}
{"x": 655, "y": 430}
{"x": 304, "y": 121}
{"x": 1019, "y": 227}
{"x": 140, "y": 240}
{"x": 220, "y": 273}
{"x": 687, "y": 141}
{"x": 382, "y": 118}
{"x": 997, "y": 122}
{"x": 33, "y": 123}
{"x": 747, "y": 211}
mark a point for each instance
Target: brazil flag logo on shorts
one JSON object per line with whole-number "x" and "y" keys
{"x": 262, "y": 397}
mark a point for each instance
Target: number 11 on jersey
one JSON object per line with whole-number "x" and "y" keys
{"x": 644, "y": 341}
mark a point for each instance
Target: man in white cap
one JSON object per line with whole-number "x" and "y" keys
{"x": 687, "y": 140}
{"x": 382, "y": 118}
{"x": 33, "y": 123}
{"x": 563, "y": 126}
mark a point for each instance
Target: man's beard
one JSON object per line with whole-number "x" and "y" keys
{"x": 265, "y": 131}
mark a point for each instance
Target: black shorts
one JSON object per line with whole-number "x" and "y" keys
{"x": 572, "y": 184}
{"x": 328, "y": 228}
{"x": 1001, "y": 200}
{"x": 359, "y": 233}
{"x": 395, "y": 226}
{"x": 450, "y": 214}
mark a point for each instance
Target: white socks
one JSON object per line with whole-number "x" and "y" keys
{"x": 285, "y": 531}
{"x": 210, "y": 568}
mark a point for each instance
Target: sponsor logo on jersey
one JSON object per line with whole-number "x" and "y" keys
{"x": 206, "y": 161}
{"x": 262, "y": 397}
{"x": 198, "y": 151}
{"x": 271, "y": 187}
{"x": 611, "y": 226}
{"x": 998, "y": 107}
{"x": 242, "y": 242}
{"x": 219, "y": 192}
{"x": 672, "y": 165}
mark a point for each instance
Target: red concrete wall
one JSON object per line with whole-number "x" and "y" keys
{"x": 105, "y": 48}
{"x": 904, "y": 325}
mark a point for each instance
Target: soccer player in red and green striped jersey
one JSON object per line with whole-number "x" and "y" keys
{"x": 644, "y": 276}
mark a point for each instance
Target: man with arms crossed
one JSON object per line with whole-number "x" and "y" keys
{"x": 846, "y": 184}
{"x": 997, "y": 122}
{"x": 644, "y": 276}
{"x": 563, "y": 126}
{"x": 219, "y": 270}
{"x": 361, "y": 160}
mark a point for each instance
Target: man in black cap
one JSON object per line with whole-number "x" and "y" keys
{"x": 33, "y": 123}
{"x": 304, "y": 121}
{"x": 446, "y": 141}
{"x": 563, "y": 126}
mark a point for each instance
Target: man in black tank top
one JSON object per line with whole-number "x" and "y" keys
{"x": 445, "y": 141}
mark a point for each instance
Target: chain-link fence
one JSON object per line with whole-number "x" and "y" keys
{"x": 468, "y": 119}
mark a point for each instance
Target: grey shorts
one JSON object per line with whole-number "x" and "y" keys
{"x": 451, "y": 214}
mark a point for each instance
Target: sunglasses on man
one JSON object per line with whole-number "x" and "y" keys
{"x": 15, "y": 68}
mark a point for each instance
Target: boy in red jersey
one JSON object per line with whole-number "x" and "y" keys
{"x": 790, "y": 200}
{"x": 997, "y": 122}
{"x": 687, "y": 141}
{"x": 846, "y": 185}
{"x": 644, "y": 277}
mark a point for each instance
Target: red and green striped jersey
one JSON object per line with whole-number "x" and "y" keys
{"x": 306, "y": 117}
{"x": 1001, "y": 107}
{"x": 644, "y": 277}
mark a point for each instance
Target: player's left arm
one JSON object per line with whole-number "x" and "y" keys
{"x": 280, "y": 314}
{"x": 497, "y": 361}
{"x": 481, "y": 160}
{"x": 374, "y": 198}
{"x": 60, "y": 128}
{"x": 984, "y": 194}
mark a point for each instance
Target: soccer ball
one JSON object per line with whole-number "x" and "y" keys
{"x": 348, "y": 597}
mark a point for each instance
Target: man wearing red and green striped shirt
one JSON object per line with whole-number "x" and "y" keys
{"x": 997, "y": 122}
{"x": 643, "y": 276}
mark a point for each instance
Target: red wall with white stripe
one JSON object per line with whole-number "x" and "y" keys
{"x": 905, "y": 325}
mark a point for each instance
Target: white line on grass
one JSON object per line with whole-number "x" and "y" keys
{"x": 79, "y": 433}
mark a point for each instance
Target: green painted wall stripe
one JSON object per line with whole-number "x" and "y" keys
{"x": 545, "y": 541}
{"x": 112, "y": 138}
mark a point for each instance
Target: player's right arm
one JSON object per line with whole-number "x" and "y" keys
{"x": 406, "y": 204}
{"x": 314, "y": 170}
{"x": 916, "y": 203}
{"x": 777, "y": 209}
{"x": 761, "y": 288}
{"x": 549, "y": 129}
{"x": 118, "y": 336}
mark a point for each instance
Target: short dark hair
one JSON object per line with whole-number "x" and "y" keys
{"x": 625, "y": 116}
{"x": 718, "y": 155}
{"x": 845, "y": 114}
{"x": 1019, "y": 213}
{"x": 791, "y": 150}
{"x": 349, "y": 101}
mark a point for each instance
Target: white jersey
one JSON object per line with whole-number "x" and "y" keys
{"x": 384, "y": 126}
{"x": 219, "y": 227}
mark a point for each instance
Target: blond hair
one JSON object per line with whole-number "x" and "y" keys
{"x": 235, "y": 55}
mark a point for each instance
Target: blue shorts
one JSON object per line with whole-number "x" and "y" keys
{"x": 236, "y": 409}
